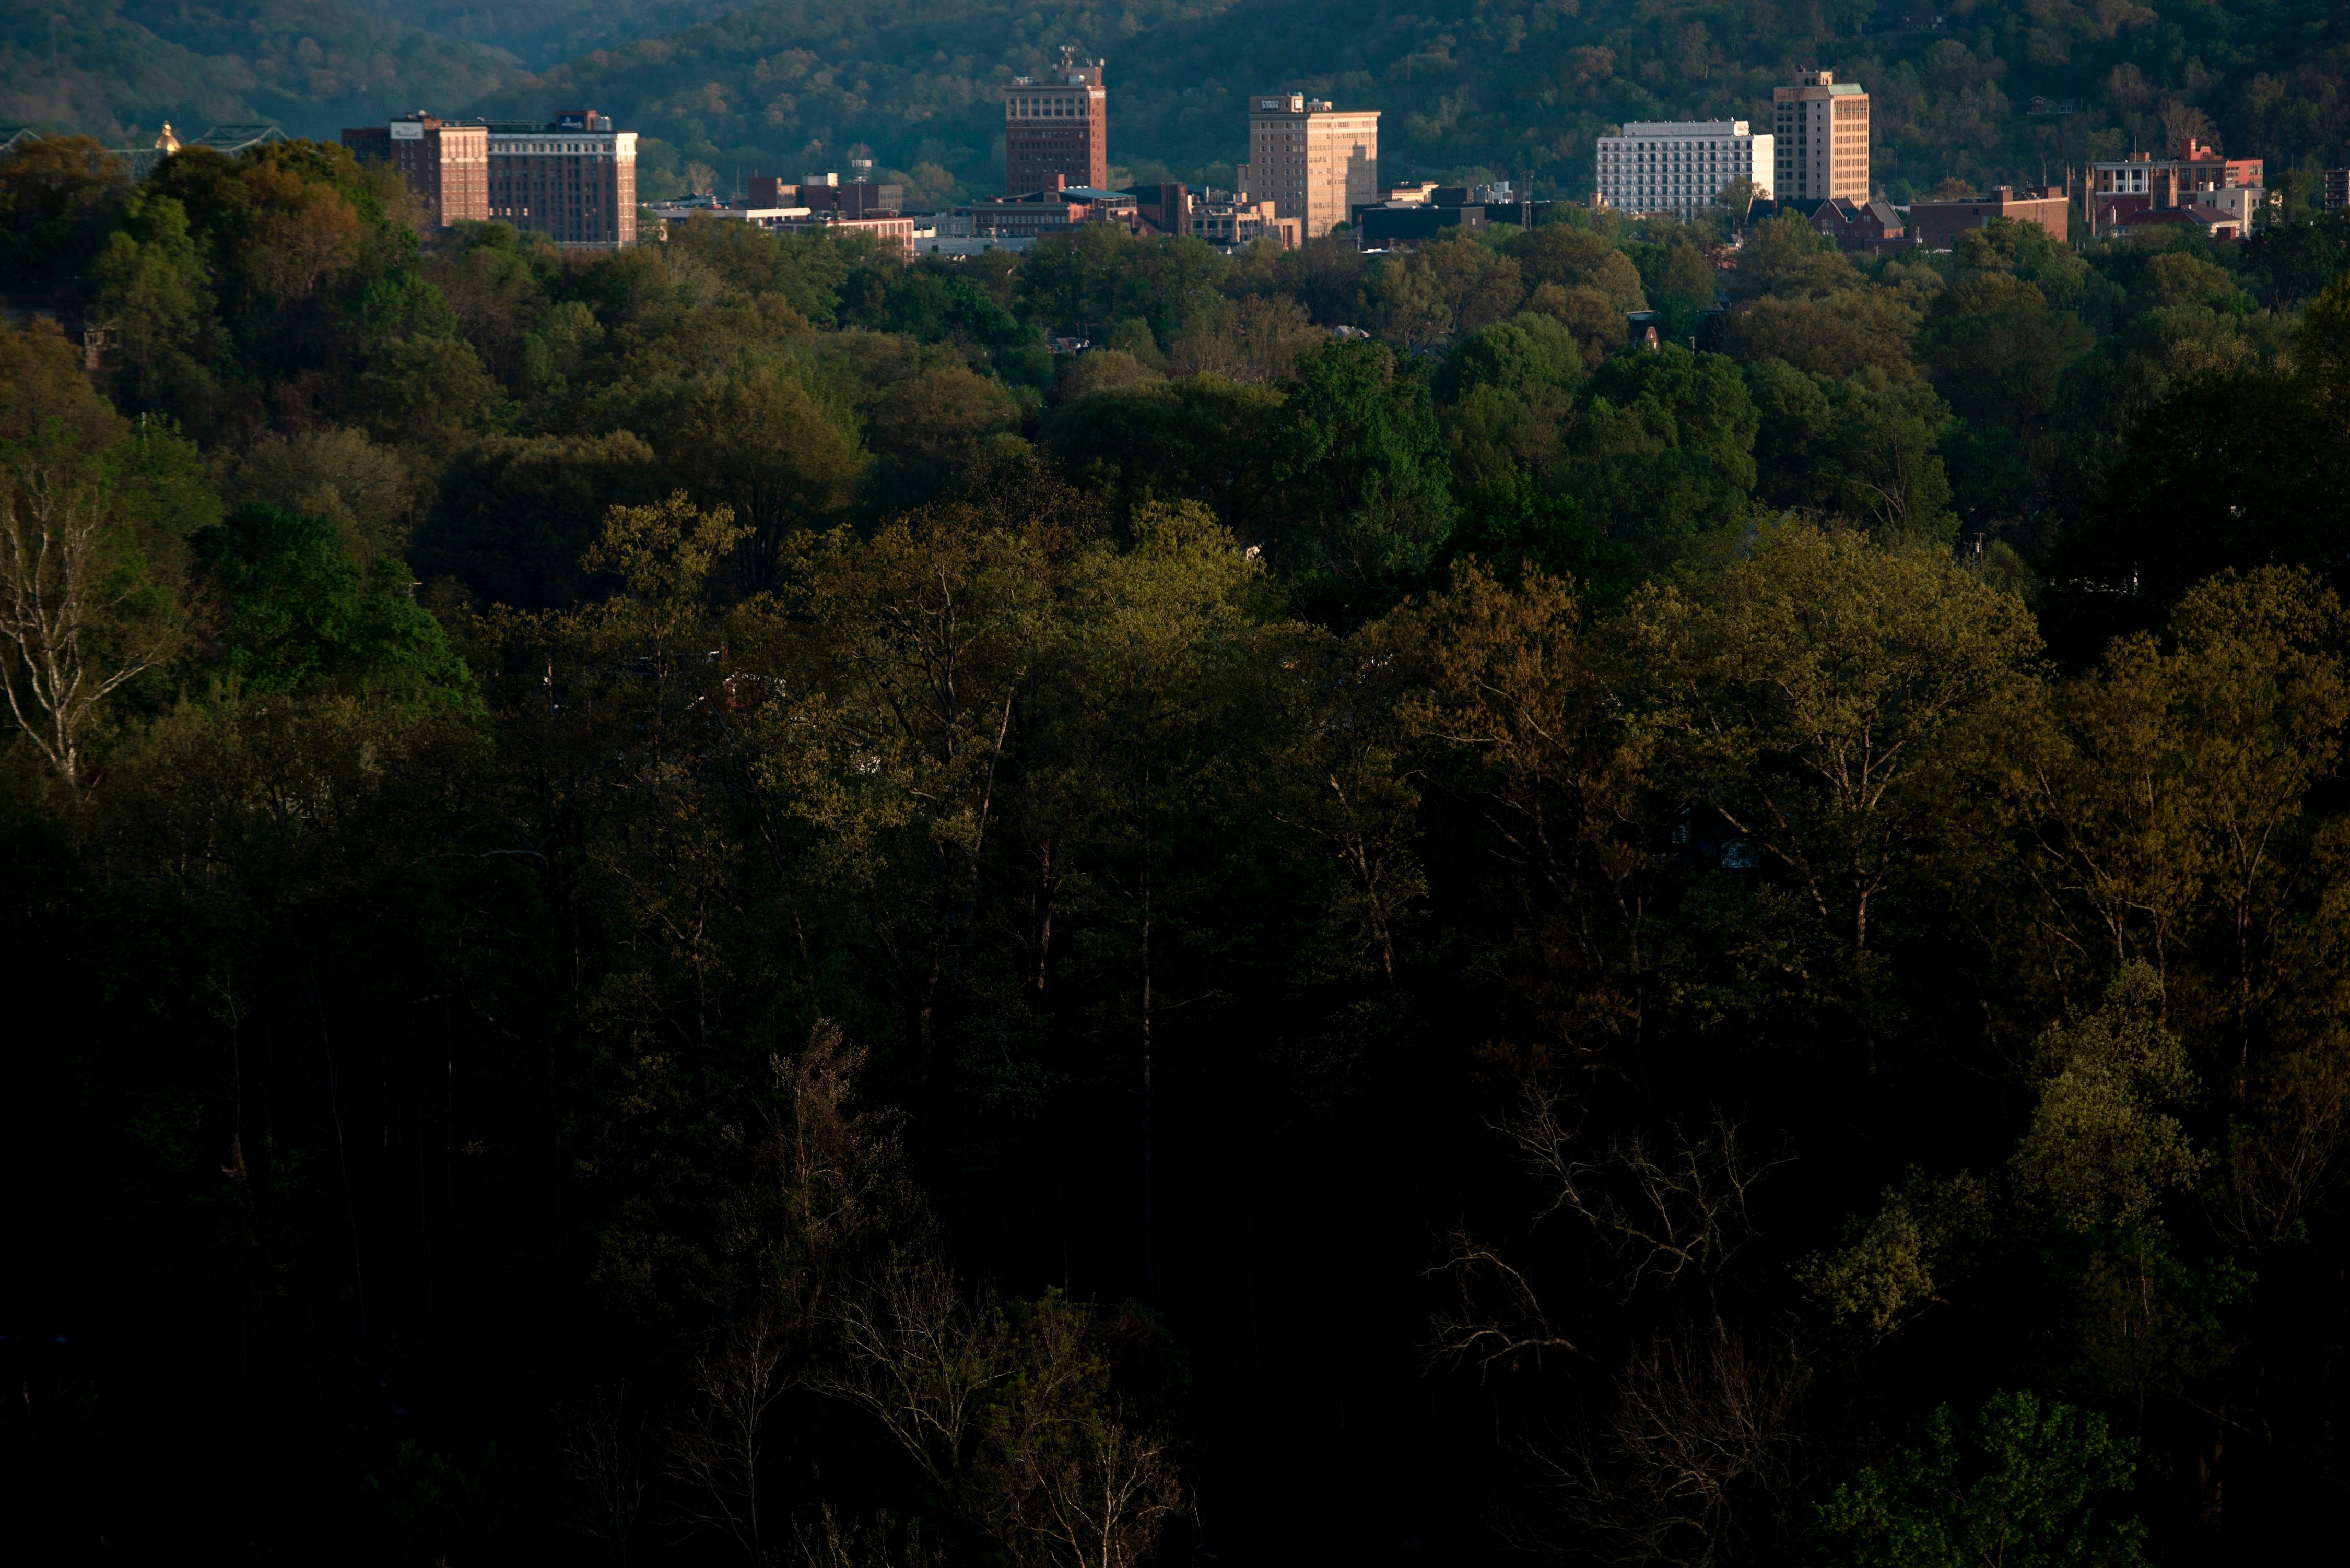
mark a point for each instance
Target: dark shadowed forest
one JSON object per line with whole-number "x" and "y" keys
{"x": 694, "y": 905}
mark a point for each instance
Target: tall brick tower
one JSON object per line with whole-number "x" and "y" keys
{"x": 1056, "y": 125}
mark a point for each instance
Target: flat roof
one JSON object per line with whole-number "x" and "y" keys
{"x": 1685, "y": 128}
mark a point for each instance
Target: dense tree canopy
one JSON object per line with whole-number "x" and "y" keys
{"x": 698, "y": 904}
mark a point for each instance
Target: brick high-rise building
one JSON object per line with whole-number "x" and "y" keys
{"x": 1056, "y": 129}
{"x": 446, "y": 166}
{"x": 1314, "y": 163}
{"x": 1822, "y": 139}
{"x": 573, "y": 178}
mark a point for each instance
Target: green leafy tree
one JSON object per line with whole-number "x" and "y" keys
{"x": 1995, "y": 349}
{"x": 154, "y": 298}
{"x": 426, "y": 393}
{"x": 1662, "y": 451}
{"x": 2027, "y": 1483}
{"x": 1786, "y": 258}
{"x": 1365, "y": 508}
{"x": 302, "y": 614}
{"x": 58, "y": 194}
{"x": 1842, "y": 711}
{"x": 1865, "y": 451}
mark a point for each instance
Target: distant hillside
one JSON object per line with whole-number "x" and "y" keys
{"x": 544, "y": 32}
{"x": 113, "y": 68}
{"x": 1517, "y": 86}
{"x": 1505, "y": 87}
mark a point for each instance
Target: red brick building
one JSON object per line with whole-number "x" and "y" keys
{"x": 1057, "y": 124}
{"x": 447, "y": 166}
{"x": 1937, "y": 226}
{"x": 1872, "y": 227}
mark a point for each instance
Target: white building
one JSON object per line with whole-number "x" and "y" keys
{"x": 1678, "y": 166}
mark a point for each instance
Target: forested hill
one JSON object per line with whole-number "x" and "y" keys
{"x": 542, "y": 32}
{"x": 1518, "y": 87}
{"x": 117, "y": 69}
{"x": 1509, "y": 87}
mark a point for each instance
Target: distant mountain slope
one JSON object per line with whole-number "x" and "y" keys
{"x": 544, "y": 32}
{"x": 113, "y": 68}
{"x": 1513, "y": 86}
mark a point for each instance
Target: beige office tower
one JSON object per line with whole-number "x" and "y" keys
{"x": 1823, "y": 136}
{"x": 1314, "y": 163}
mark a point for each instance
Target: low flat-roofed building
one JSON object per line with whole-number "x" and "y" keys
{"x": 1039, "y": 212}
{"x": 889, "y": 231}
{"x": 1937, "y": 226}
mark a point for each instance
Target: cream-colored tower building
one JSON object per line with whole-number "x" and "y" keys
{"x": 1314, "y": 163}
{"x": 1822, "y": 139}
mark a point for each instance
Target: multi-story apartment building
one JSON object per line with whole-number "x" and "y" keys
{"x": 573, "y": 178}
{"x": 446, "y": 167}
{"x": 1057, "y": 124}
{"x": 1822, "y": 125}
{"x": 1678, "y": 166}
{"x": 1314, "y": 163}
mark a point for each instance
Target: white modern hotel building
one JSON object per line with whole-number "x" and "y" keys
{"x": 1678, "y": 166}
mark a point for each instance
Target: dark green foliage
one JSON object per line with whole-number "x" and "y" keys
{"x": 1203, "y": 437}
{"x": 1665, "y": 449}
{"x": 302, "y": 614}
{"x": 943, "y": 306}
{"x": 1361, "y": 473}
{"x": 1867, "y": 454}
{"x": 516, "y": 513}
{"x": 2237, "y": 470}
{"x": 58, "y": 198}
{"x": 2029, "y": 1483}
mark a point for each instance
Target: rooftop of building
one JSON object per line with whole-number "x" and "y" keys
{"x": 1087, "y": 194}
{"x": 2004, "y": 193}
{"x": 1645, "y": 128}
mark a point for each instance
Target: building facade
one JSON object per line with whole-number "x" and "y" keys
{"x": 1678, "y": 166}
{"x": 1040, "y": 213}
{"x": 1314, "y": 163}
{"x": 1937, "y": 226}
{"x": 446, "y": 167}
{"x": 1822, "y": 125}
{"x": 1057, "y": 124}
{"x": 2169, "y": 181}
{"x": 1872, "y": 228}
{"x": 573, "y": 179}
{"x": 825, "y": 194}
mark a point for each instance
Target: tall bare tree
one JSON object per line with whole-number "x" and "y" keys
{"x": 79, "y": 620}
